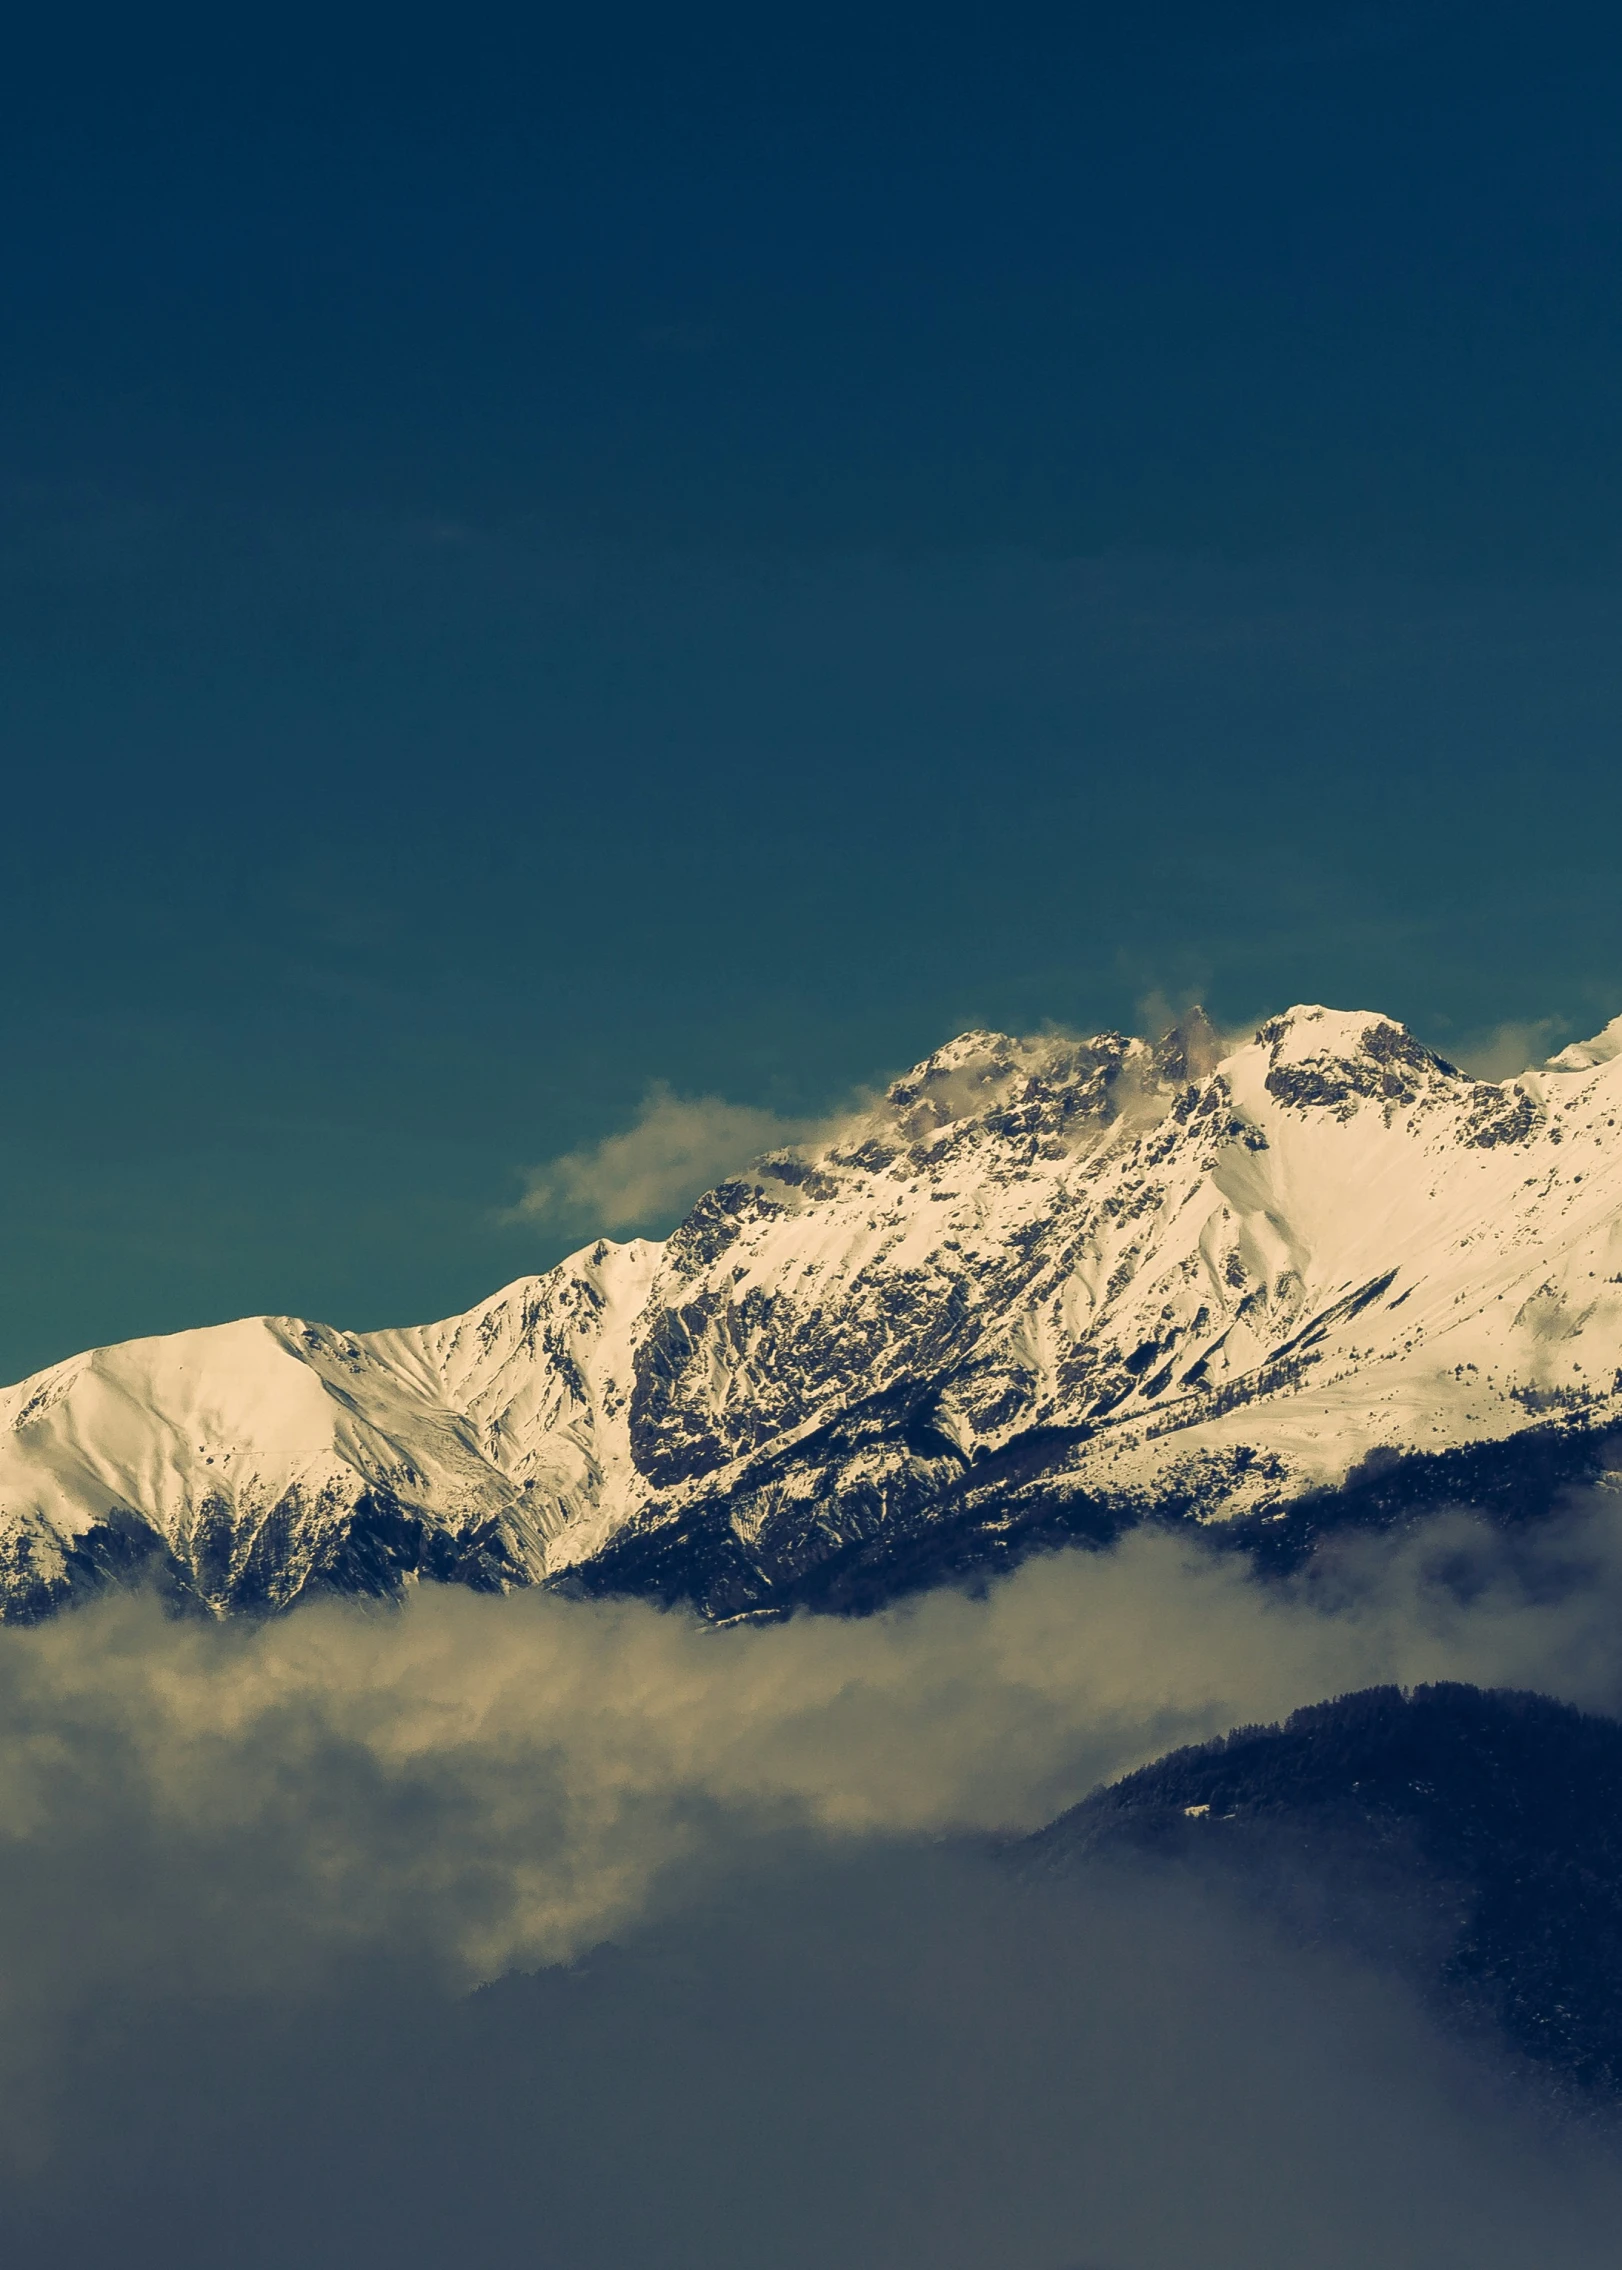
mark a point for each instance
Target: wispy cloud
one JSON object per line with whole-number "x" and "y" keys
{"x": 1510, "y": 1048}
{"x": 678, "y": 1147}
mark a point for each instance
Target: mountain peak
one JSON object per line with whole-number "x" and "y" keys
{"x": 1042, "y": 1272}
{"x": 1339, "y": 1056}
{"x": 1191, "y": 1049}
{"x": 1584, "y": 1055}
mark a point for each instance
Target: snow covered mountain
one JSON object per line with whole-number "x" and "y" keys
{"x": 1041, "y": 1280}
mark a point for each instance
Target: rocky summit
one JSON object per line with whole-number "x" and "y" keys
{"x": 1043, "y": 1288}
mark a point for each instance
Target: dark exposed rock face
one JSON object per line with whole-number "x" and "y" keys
{"x": 943, "y": 1522}
{"x": 375, "y": 1549}
{"x": 1389, "y": 1066}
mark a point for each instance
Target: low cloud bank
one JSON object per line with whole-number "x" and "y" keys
{"x": 494, "y": 1782}
{"x": 884, "y": 2060}
{"x": 201, "y": 1828}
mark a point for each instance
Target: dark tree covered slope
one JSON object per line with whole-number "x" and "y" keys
{"x": 1474, "y": 1838}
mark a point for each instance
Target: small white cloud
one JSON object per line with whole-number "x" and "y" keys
{"x": 1155, "y": 1012}
{"x": 679, "y": 1147}
{"x": 1508, "y": 1049}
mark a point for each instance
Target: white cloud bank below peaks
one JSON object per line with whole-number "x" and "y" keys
{"x": 487, "y": 1783}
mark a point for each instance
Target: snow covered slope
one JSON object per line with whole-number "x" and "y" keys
{"x": 1103, "y": 1272}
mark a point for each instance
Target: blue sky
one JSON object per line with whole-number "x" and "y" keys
{"x": 548, "y": 554}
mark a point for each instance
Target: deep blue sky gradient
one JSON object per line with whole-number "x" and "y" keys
{"x": 545, "y": 551}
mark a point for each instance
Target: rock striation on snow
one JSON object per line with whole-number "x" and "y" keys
{"x": 1091, "y": 1279}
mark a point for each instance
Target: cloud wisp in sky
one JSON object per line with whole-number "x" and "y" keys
{"x": 1511, "y": 1048}
{"x": 677, "y": 1148}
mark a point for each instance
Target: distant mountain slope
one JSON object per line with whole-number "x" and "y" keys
{"x": 1474, "y": 1839}
{"x": 1042, "y": 1288}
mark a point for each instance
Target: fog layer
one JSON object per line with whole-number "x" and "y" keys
{"x": 874, "y": 2061}
{"x": 245, "y": 1873}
